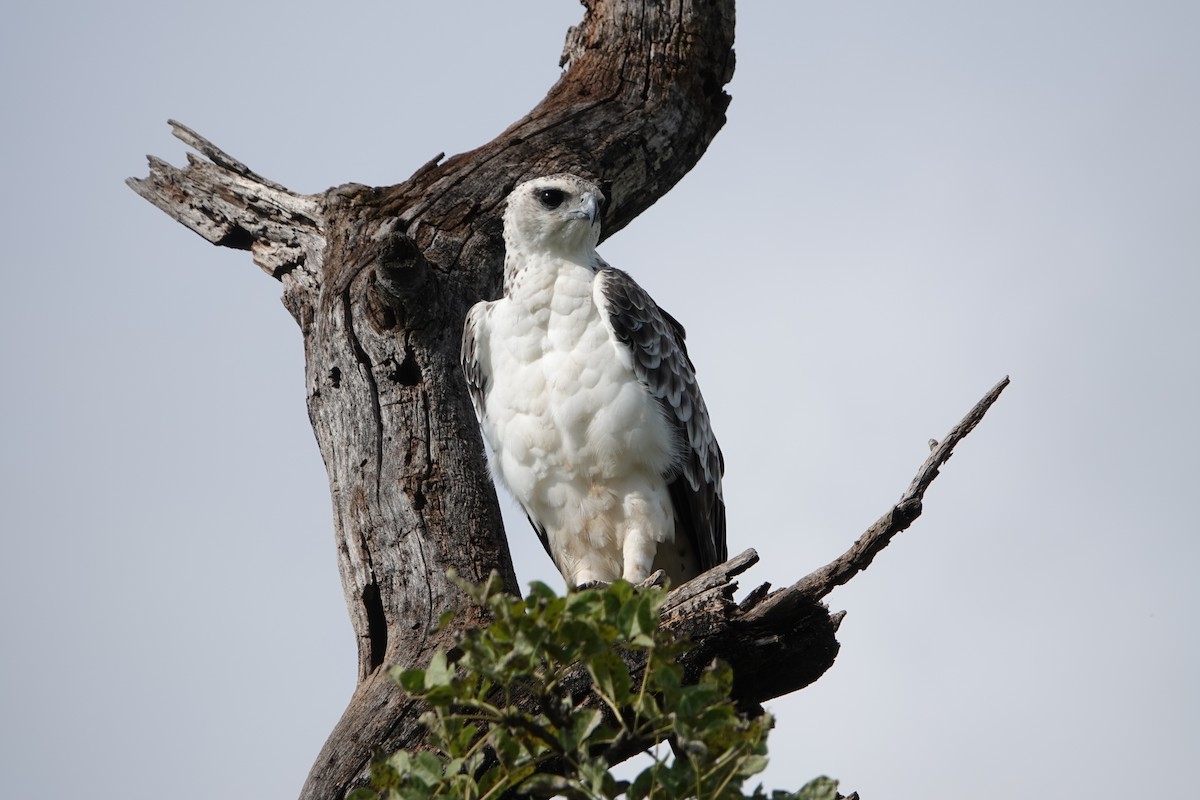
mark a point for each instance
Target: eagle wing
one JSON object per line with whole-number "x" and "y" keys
{"x": 473, "y": 371}
{"x": 660, "y": 360}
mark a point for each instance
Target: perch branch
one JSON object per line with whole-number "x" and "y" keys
{"x": 819, "y": 583}
{"x": 900, "y": 516}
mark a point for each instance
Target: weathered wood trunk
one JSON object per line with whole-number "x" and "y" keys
{"x": 379, "y": 280}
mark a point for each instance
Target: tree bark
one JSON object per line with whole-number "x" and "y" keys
{"x": 379, "y": 281}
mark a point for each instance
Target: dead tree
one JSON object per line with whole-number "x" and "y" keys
{"x": 379, "y": 280}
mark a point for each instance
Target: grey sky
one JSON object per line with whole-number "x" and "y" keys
{"x": 910, "y": 200}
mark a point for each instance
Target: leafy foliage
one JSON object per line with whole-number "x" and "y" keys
{"x": 483, "y": 746}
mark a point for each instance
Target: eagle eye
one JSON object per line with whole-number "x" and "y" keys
{"x": 551, "y": 198}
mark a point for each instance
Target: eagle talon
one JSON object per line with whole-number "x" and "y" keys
{"x": 593, "y": 585}
{"x": 656, "y": 578}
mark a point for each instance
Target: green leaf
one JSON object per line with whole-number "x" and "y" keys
{"x": 540, "y": 589}
{"x": 542, "y": 785}
{"x": 646, "y": 706}
{"x": 821, "y": 788}
{"x": 643, "y": 783}
{"x": 440, "y": 673}
{"x": 752, "y": 765}
{"x": 642, "y": 620}
{"x": 410, "y": 680}
{"x": 583, "y": 725}
{"x": 611, "y": 677}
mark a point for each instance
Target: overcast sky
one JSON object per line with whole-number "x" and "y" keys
{"x": 909, "y": 201}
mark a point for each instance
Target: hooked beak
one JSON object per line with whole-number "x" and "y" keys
{"x": 589, "y": 209}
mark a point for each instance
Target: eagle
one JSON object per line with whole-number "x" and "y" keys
{"x": 587, "y": 397}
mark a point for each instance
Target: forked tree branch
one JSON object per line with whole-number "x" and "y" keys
{"x": 823, "y": 581}
{"x": 779, "y": 642}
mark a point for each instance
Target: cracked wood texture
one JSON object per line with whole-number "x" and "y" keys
{"x": 379, "y": 280}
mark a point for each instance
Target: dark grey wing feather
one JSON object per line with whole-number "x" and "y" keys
{"x": 476, "y": 375}
{"x": 469, "y": 357}
{"x": 660, "y": 361}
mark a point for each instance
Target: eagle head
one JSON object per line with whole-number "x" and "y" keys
{"x": 558, "y": 214}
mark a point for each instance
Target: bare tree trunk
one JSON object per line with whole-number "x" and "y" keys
{"x": 379, "y": 280}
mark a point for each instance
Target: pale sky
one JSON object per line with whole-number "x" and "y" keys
{"x": 909, "y": 201}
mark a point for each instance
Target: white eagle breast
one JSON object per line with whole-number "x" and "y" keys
{"x": 580, "y": 439}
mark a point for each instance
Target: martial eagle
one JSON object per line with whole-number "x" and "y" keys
{"x": 586, "y": 395}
